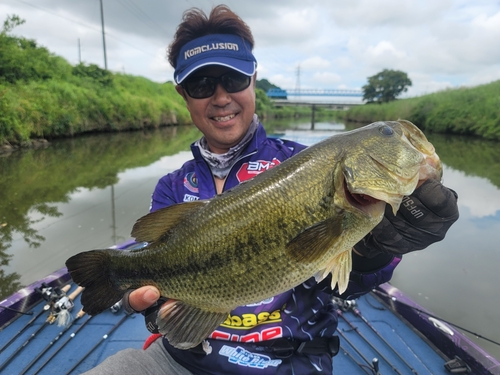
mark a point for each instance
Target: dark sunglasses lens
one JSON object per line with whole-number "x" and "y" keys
{"x": 200, "y": 87}
{"x": 204, "y": 87}
{"x": 235, "y": 82}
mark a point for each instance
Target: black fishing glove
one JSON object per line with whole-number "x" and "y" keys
{"x": 423, "y": 218}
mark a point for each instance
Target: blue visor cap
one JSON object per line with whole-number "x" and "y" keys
{"x": 215, "y": 49}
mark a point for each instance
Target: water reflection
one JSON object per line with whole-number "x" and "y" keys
{"x": 54, "y": 201}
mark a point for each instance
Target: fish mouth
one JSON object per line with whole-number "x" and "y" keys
{"x": 364, "y": 202}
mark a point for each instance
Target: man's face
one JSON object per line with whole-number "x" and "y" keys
{"x": 223, "y": 118}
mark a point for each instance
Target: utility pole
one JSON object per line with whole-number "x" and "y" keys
{"x": 297, "y": 82}
{"x": 79, "y": 52}
{"x": 103, "y": 39}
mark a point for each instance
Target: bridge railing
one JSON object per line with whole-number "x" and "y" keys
{"x": 282, "y": 94}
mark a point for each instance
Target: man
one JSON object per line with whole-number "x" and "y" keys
{"x": 215, "y": 72}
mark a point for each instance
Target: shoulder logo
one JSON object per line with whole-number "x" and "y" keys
{"x": 253, "y": 168}
{"x": 191, "y": 182}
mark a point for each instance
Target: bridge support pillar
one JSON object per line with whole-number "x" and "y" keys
{"x": 313, "y": 109}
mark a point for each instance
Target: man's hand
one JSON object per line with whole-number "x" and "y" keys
{"x": 423, "y": 218}
{"x": 140, "y": 299}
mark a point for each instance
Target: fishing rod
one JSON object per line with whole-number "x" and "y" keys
{"x": 62, "y": 345}
{"x": 98, "y": 343}
{"x": 351, "y": 306}
{"x": 436, "y": 317}
{"x": 50, "y": 294}
{"x": 367, "y": 369}
{"x": 373, "y": 365}
{"x": 80, "y": 314}
{"x": 61, "y": 306}
{"x": 354, "y": 328}
{"x": 114, "y": 309}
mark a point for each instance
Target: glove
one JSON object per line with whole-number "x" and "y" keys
{"x": 423, "y": 218}
{"x": 150, "y": 313}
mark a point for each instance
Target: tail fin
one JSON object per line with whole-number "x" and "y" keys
{"x": 91, "y": 270}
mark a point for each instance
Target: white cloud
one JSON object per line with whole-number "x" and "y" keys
{"x": 439, "y": 43}
{"x": 470, "y": 188}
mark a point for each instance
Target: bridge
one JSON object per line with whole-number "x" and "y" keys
{"x": 285, "y": 93}
{"x": 335, "y": 105}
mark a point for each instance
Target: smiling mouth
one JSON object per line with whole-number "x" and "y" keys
{"x": 223, "y": 118}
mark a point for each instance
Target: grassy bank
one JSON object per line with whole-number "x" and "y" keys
{"x": 59, "y": 108}
{"x": 43, "y": 96}
{"x": 465, "y": 111}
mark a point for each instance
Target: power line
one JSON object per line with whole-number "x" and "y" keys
{"x": 85, "y": 25}
{"x": 142, "y": 16}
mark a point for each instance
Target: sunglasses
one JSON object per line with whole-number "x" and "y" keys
{"x": 204, "y": 87}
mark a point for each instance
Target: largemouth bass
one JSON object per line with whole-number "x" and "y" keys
{"x": 265, "y": 236}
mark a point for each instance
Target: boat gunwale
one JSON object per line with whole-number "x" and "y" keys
{"x": 451, "y": 345}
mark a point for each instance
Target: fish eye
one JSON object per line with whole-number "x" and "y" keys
{"x": 386, "y": 130}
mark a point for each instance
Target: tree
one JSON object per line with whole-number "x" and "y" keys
{"x": 386, "y": 86}
{"x": 11, "y": 22}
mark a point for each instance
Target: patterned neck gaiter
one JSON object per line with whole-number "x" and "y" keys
{"x": 220, "y": 164}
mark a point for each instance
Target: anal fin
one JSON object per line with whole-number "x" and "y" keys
{"x": 340, "y": 267}
{"x": 186, "y": 326}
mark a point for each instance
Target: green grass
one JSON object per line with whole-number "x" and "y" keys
{"x": 464, "y": 111}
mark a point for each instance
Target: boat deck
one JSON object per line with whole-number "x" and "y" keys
{"x": 107, "y": 333}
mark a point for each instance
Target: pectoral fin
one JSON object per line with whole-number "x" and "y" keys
{"x": 186, "y": 326}
{"x": 151, "y": 227}
{"x": 316, "y": 240}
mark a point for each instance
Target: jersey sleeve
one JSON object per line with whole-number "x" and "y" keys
{"x": 163, "y": 195}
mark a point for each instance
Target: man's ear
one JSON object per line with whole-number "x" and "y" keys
{"x": 181, "y": 91}
{"x": 255, "y": 79}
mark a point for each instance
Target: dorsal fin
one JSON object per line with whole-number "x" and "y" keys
{"x": 151, "y": 227}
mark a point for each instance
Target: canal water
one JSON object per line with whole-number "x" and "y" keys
{"x": 86, "y": 193}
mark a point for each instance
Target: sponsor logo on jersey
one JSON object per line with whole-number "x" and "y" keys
{"x": 253, "y": 168}
{"x": 265, "y": 334}
{"x": 247, "y": 321}
{"x": 191, "y": 182}
{"x": 243, "y": 357}
{"x": 190, "y": 198}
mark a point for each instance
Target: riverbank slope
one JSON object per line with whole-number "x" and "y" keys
{"x": 464, "y": 111}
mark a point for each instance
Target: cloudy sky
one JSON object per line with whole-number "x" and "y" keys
{"x": 334, "y": 44}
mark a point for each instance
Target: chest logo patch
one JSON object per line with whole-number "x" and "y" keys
{"x": 253, "y": 168}
{"x": 191, "y": 182}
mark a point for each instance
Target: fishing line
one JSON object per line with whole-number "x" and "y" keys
{"x": 394, "y": 299}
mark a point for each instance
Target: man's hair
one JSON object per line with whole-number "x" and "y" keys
{"x": 196, "y": 24}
